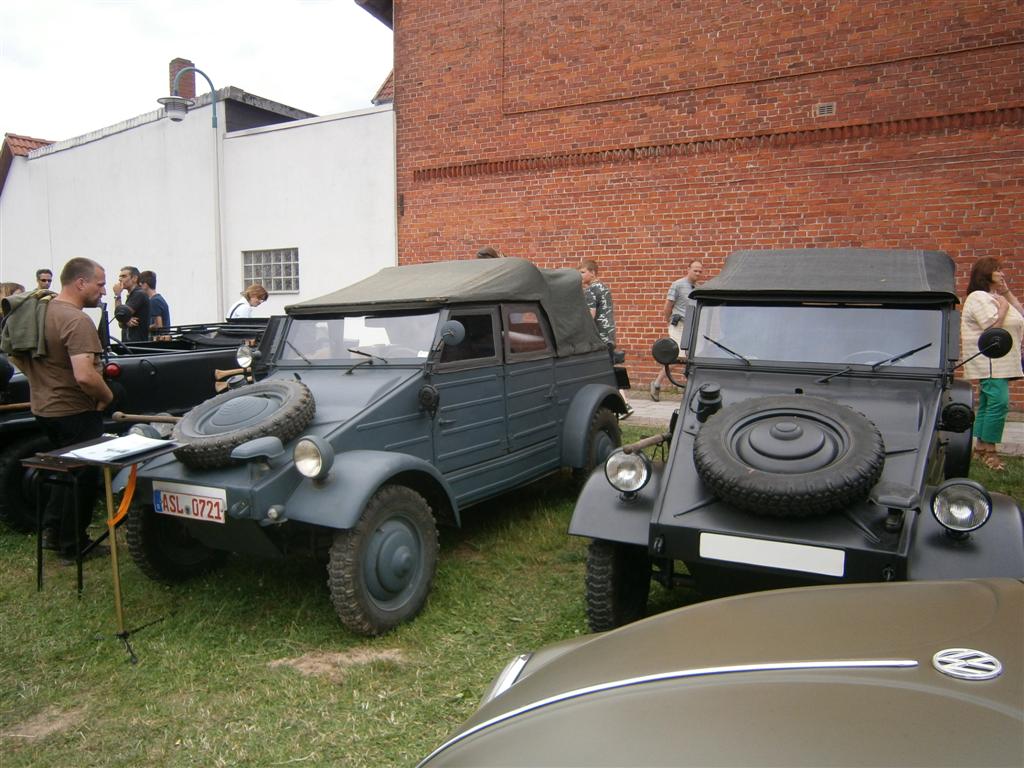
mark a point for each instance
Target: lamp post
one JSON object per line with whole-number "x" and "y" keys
{"x": 176, "y": 107}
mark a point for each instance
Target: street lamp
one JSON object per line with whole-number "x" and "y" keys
{"x": 176, "y": 107}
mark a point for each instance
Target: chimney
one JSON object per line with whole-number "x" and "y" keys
{"x": 187, "y": 84}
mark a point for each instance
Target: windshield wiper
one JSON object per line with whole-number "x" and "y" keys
{"x": 901, "y": 356}
{"x": 826, "y": 379}
{"x": 296, "y": 351}
{"x": 370, "y": 357}
{"x": 731, "y": 352}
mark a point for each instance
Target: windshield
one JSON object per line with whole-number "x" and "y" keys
{"x": 821, "y": 334}
{"x": 403, "y": 337}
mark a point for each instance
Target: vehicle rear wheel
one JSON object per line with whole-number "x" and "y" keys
{"x": 618, "y": 582}
{"x": 163, "y": 549}
{"x": 17, "y": 483}
{"x": 603, "y": 437}
{"x": 380, "y": 571}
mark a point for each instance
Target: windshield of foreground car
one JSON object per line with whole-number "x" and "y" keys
{"x": 403, "y": 337}
{"x": 821, "y": 334}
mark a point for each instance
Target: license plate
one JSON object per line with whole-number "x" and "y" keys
{"x": 773, "y": 554}
{"x": 193, "y": 502}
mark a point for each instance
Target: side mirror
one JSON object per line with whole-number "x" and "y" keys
{"x": 665, "y": 351}
{"x": 995, "y": 343}
{"x": 453, "y": 333}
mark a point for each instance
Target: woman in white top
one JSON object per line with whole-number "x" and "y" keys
{"x": 252, "y": 297}
{"x": 991, "y": 304}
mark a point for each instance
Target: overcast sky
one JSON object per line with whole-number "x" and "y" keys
{"x": 68, "y": 67}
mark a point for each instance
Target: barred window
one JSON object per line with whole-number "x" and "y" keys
{"x": 276, "y": 269}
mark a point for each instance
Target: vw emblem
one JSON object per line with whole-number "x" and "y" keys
{"x": 967, "y": 664}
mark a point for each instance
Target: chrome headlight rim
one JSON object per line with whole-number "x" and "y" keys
{"x": 950, "y": 487}
{"x": 617, "y": 461}
{"x": 313, "y": 457}
{"x": 244, "y": 356}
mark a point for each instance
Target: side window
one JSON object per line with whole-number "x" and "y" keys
{"x": 479, "y": 341}
{"x": 525, "y": 332}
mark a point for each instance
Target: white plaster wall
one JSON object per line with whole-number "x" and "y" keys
{"x": 142, "y": 193}
{"x": 325, "y": 186}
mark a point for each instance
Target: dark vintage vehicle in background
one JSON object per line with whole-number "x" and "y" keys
{"x": 166, "y": 376}
{"x": 914, "y": 673}
{"x": 822, "y": 438}
{"x": 379, "y": 411}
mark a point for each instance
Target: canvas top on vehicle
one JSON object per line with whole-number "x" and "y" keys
{"x": 920, "y": 276}
{"x": 443, "y": 283}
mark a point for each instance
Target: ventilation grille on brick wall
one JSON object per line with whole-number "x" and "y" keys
{"x": 825, "y": 109}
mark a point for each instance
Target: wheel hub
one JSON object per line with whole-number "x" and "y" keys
{"x": 392, "y": 561}
{"x": 786, "y": 443}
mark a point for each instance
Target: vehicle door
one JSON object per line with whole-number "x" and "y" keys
{"x": 470, "y": 423}
{"x": 530, "y": 395}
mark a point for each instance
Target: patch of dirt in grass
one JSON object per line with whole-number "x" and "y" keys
{"x": 334, "y": 666}
{"x": 46, "y": 723}
{"x": 467, "y": 551}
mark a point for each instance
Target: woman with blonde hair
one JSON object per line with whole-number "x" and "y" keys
{"x": 991, "y": 304}
{"x": 252, "y": 297}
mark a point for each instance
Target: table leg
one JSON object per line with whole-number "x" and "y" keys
{"x": 107, "y": 486}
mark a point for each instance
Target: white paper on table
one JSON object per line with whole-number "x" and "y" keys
{"x": 118, "y": 448}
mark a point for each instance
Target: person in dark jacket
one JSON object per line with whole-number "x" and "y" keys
{"x": 133, "y": 313}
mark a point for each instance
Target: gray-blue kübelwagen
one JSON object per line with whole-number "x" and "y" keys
{"x": 823, "y": 438}
{"x": 384, "y": 407}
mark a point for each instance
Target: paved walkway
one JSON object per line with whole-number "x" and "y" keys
{"x": 648, "y": 413}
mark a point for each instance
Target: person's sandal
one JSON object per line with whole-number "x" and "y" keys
{"x": 991, "y": 460}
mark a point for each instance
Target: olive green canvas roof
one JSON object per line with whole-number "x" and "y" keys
{"x": 471, "y": 281}
{"x": 853, "y": 273}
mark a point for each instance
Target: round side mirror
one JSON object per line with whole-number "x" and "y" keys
{"x": 665, "y": 351}
{"x": 995, "y": 342}
{"x": 453, "y": 332}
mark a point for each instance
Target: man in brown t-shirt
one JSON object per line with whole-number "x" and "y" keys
{"x": 68, "y": 394}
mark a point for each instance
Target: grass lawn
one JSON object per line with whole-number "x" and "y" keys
{"x": 250, "y": 667}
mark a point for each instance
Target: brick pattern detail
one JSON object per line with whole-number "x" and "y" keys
{"x": 644, "y": 162}
{"x": 187, "y": 84}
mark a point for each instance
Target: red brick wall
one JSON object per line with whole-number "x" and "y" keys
{"x": 670, "y": 131}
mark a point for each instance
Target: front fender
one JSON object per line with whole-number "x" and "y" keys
{"x": 576, "y": 428}
{"x": 339, "y": 499}
{"x": 602, "y": 513}
{"x": 996, "y": 549}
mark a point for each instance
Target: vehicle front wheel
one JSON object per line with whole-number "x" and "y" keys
{"x": 618, "y": 581}
{"x": 380, "y": 571}
{"x": 164, "y": 550}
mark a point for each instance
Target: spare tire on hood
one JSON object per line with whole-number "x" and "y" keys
{"x": 274, "y": 407}
{"x": 789, "y": 455}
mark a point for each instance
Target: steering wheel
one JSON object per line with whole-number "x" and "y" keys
{"x": 867, "y": 356}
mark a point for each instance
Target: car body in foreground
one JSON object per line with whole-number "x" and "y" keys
{"x": 913, "y": 673}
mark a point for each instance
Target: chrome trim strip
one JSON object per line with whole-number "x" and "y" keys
{"x": 674, "y": 675}
{"x": 508, "y": 676}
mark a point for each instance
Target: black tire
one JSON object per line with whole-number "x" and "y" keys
{"x": 17, "y": 486}
{"x": 211, "y": 430}
{"x": 163, "y": 549}
{"x": 603, "y": 436}
{"x": 380, "y": 571}
{"x": 618, "y": 582}
{"x": 789, "y": 455}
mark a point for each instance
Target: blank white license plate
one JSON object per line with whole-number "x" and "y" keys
{"x": 194, "y": 502}
{"x": 773, "y": 554}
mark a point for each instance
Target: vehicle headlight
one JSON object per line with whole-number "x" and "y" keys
{"x": 507, "y": 678}
{"x": 313, "y": 457}
{"x": 244, "y": 356}
{"x": 961, "y": 505}
{"x": 627, "y": 472}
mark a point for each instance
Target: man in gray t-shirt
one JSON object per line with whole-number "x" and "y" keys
{"x": 676, "y": 304}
